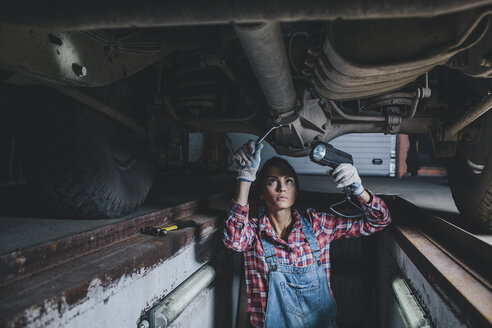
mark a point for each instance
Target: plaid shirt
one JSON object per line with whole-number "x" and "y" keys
{"x": 242, "y": 234}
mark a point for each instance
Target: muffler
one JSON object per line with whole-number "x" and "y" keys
{"x": 264, "y": 47}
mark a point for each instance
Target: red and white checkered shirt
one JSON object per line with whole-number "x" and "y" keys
{"x": 242, "y": 234}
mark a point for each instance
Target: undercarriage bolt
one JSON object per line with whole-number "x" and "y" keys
{"x": 144, "y": 324}
{"x": 423, "y": 93}
{"x": 79, "y": 70}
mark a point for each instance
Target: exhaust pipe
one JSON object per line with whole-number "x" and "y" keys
{"x": 264, "y": 47}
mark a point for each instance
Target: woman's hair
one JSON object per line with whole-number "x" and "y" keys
{"x": 274, "y": 162}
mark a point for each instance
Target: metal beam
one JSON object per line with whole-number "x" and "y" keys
{"x": 102, "y": 108}
{"x": 115, "y": 14}
{"x": 481, "y": 108}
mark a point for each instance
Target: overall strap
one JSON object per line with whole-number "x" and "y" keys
{"x": 270, "y": 255}
{"x": 307, "y": 228}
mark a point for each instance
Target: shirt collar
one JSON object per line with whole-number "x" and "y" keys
{"x": 265, "y": 226}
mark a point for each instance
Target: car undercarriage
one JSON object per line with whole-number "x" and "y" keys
{"x": 321, "y": 70}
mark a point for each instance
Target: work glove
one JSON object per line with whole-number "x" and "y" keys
{"x": 345, "y": 175}
{"x": 247, "y": 161}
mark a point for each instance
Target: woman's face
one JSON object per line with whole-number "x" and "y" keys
{"x": 279, "y": 188}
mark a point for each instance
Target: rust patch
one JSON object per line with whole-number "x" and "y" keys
{"x": 77, "y": 293}
{"x": 20, "y": 260}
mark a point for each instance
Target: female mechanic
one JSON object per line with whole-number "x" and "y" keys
{"x": 286, "y": 252}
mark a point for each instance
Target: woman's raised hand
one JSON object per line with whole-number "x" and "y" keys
{"x": 247, "y": 161}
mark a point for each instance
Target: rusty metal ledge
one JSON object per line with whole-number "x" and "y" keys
{"x": 470, "y": 251}
{"x": 20, "y": 264}
{"x": 458, "y": 281}
{"x": 68, "y": 284}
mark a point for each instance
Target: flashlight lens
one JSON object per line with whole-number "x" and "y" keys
{"x": 319, "y": 152}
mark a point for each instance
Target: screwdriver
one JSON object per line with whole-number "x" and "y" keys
{"x": 274, "y": 126}
{"x": 164, "y": 230}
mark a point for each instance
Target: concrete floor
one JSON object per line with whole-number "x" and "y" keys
{"x": 18, "y": 231}
{"x": 431, "y": 193}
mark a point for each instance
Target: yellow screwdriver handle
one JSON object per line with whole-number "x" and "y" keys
{"x": 170, "y": 228}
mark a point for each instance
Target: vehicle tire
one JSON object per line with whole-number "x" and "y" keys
{"x": 470, "y": 178}
{"x": 84, "y": 165}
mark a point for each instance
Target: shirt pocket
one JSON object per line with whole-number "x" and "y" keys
{"x": 301, "y": 299}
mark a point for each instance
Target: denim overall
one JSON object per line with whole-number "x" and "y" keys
{"x": 298, "y": 296}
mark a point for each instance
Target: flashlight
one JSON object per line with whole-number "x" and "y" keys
{"x": 327, "y": 155}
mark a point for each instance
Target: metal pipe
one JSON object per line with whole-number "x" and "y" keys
{"x": 264, "y": 47}
{"x": 409, "y": 307}
{"x": 470, "y": 29}
{"x": 390, "y": 102}
{"x": 413, "y": 109}
{"x": 415, "y": 125}
{"x": 102, "y": 108}
{"x": 420, "y": 93}
{"x": 393, "y": 95}
{"x": 170, "y": 108}
{"x": 355, "y": 117}
{"x": 480, "y": 109}
{"x": 162, "y": 315}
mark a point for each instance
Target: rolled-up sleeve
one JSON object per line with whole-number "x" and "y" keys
{"x": 239, "y": 229}
{"x": 376, "y": 217}
{"x": 376, "y": 212}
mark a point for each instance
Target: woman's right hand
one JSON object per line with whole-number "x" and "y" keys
{"x": 247, "y": 161}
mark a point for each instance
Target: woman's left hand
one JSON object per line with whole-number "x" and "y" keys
{"x": 346, "y": 175}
